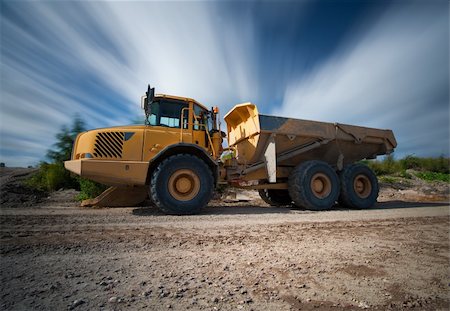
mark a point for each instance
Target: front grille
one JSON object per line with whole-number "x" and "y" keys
{"x": 108, "y": 145}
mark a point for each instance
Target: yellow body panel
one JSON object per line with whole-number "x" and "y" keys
{"x": 157, "y": 138}
{"x": 112, "y": 173}
{"x": 121, "y": 155}
{"x": 243, "y": 129}
{"x": 199, "y": 138}
{"x": 112, "y": 142}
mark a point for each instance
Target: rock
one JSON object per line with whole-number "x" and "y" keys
{"x": 363, "y": 305}
{"x": 147, "y": 293}
{"x": 113, "y": 299}
{"x": 77, "y": 303}
{"x": 163, "y": 293}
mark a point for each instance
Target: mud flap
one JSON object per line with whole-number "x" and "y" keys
{"x": 118, "y": 196}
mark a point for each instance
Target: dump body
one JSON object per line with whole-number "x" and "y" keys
{"x": 259, "y": 139}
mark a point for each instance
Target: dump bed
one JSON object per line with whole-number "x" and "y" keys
{"x": 295, "y": 140}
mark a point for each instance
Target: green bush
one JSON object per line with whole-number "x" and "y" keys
{"x": 387, "y": 166}
{"x": 438, "y": 165}
{"x": 89, "y": 189}
{"x": 390, "y": 166}
{"x": 54, "y": 176}
{"x": 433, "y": 176}
{"x": 387, "y": 179}
{"x": 51, "y": 177}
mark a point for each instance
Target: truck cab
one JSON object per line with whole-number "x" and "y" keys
{"x": 127, "y": 156}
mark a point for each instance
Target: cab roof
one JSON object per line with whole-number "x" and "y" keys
{"x": 180, "y": 98}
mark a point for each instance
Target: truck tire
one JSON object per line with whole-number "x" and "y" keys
{"x": 314, "y": 185}
{"x": 359, "y": 186}
{"x": 181, "y": 185}
{"x": 275, "y": 197}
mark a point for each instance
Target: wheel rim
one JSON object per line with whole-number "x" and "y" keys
{"x": 320, "y": 185}
{"x": 362, "y": 186}
{"x": 184, "y": 185}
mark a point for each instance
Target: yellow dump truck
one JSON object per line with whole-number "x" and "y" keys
{"x": 177, "y": 158}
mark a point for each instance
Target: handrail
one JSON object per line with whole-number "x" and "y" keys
{"x": 199, "y": 125}
{"x": 181, "y": 122}
{"x": 208, "y": 135}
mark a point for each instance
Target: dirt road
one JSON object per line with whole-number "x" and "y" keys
{"x": 243, "y": 257}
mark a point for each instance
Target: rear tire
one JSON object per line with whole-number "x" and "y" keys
{"x": 359, "y": 187}
{"x": 275, "y": 197}
{"x": 314, "y": 185}
{"x": 181, "y": 185}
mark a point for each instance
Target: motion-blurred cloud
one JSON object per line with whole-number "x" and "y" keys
{"x": 365, "y": 63}
{"x": 395, "y": 76}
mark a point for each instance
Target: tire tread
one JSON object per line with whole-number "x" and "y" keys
{"x": 156, "y": 174}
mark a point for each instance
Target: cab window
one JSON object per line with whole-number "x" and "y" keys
{"x": 200, "y": 118}
{"x": 168, "y": 113}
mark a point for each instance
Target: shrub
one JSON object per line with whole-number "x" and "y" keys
{"x": 438, "y": 165}
{"x": 54, "y": 176}
{"x": 89, "y": 189}
{"x": 51, "y": 177}
{"x": 433, "y": 176}
{"x": 387, "y": 166}
{"x": 390, "y": 166}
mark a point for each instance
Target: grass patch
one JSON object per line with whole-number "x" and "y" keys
{"x": 89, "y": 189}
{"x": 430, "y": 169}
{"x": 433, "y": 176}
{"x": 51, "y": 177}
{"x": 387, "y": 179}
{"x": 54, "y": 176}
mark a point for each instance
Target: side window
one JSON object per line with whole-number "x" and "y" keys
{"x": 199, "y": 118}
{"x": 168, "y": 113}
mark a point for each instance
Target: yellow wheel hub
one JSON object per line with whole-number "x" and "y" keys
{"x": 321, "y": 185}
{"x": 184, "y": 185}
{"x": 362, "y": 186}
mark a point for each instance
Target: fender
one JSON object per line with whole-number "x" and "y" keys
{"x": 187, "y": 149}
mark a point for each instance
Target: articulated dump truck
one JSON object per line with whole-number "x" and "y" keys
{"x": 177, "y": 159}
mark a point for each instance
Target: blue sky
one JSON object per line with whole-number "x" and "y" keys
{"x": 382, "y": 64}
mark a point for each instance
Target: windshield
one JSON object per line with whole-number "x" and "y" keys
{"x": 167, "y": 113}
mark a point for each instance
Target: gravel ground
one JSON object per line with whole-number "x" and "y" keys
{"x": 234, "y": 256}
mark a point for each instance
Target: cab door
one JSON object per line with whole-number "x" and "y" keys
{"x": 199, "y": 126}
{"x": 167, "y": 125}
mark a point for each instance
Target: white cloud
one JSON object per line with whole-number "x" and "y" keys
{"x": 196, "y": 50}
{"x": 395, "y": 76}
{"x": 180, "y": 48}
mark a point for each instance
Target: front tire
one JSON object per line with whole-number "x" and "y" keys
{"x": 181, "y": 185}
{"x": 359, "y": 187}
{"x": 314, "y": 185}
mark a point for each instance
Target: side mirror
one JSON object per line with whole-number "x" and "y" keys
{"x": 144, "y": 102}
